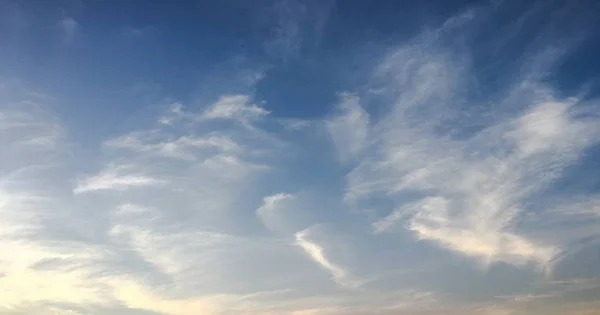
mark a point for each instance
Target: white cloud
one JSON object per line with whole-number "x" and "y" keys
{"x": 476, "y": 198}
{"x": 296, "y": 124}
{"x": 269, "y": 211}
{"x": 166, "y": 251}
{"x": 235, "y": 107}
{"x": 32, "y": 144}
{"x": 115, "y": 178}
{"x": 140, "y": 31}
{"x": 587, "y": 206}
{"x": 465, "y": 191}
{"x": 549, "y": 126}
{"x": 481, "y": 242}
{"x": 251, "y": 78}
{"x": 179, "y": 235}
{"x": 128, "y": 209}
{"x": 174, "y": 113}
{"x": 69, "y": 27}
{"x": 29, "y": 191}
{"x": 164, "y": 248}
{"x": 349, "y": 129}
{"x": 184, "y": 147}
{"x": 228, "y": 107}
{"x": 317, "y": 253}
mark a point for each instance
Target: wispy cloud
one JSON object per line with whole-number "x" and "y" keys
{"x": 184, "y": 147}
{"x": 236, "y": 107}
{"x": 349, "y": 129}
{"x": 29, "y": 190}
{"x": 269, "y": 211}
{"x": 115, "y": 178}
{"x": 317, "y": 253}
{"x": 458, "y": 184}
{"x": 132, "y": 256}
{"x": 223, "y": 204}
{"x": 69, "y": 27}
{"x": 140, "y": 31}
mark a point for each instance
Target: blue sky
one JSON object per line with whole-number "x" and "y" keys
{"x": 299, "y": 157}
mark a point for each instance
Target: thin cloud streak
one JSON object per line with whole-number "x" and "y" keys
{"x": 317, "y": 253}
{"x": 114, "y": 178}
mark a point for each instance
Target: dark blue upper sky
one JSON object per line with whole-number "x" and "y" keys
{"x": 180, "y": 46}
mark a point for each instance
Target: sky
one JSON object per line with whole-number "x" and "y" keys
{"x": 311, "y": 157}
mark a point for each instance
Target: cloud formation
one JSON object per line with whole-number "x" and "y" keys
{"x": 113, "y": 179}
{"x": 462, "y": 185}
{"x": 450, "y": 172}
{"x": 235, "y": 107}
{"x": 316, "y": 253}
{"x": 349, "y": 129}
{"x": 268, "y": 212}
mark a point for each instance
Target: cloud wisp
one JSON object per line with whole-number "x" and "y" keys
{"x": 69, "y": 28}
{"x": 113, "y": 179}
{"x": 458, "y": 178}
{"x": 317, "y": 253}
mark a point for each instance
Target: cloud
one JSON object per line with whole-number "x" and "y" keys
{"x": 268, "y": 212}
{"x": 69, "y": 27}
{"x": 141, "y": 31}
{"x": 316, "y": 253}
{"x": 174, "y": 113}
{"x": 32, "y": 143}
{"x": 184, "y": 147}
{"x": 113, "y": 178}
{"x": 456, "y": 179}
{"x": 204, "y": 208}
{"x": 431, "y": 222}
{"x": 296, "y": 124}
{"x": 166, "y": 242}
{"x": 29, "y": 191}
{"x": 473, "y": 214}
{"x": 349, "y": 129}
{"x": 172, "y": 236}
{"x": 235, "y": 107}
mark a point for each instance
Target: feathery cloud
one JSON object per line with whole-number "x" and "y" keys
{"x": 349, "y": 129}
{"x": 439, "y": 153}
{"x": 268, "y": 212}
{"x": 114, "y": 178}
{"x": 69, "y": 27}
{"x": 317, "y": 253}
{"x": 461, "y": 185}
{"x": 235, "y": 107}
